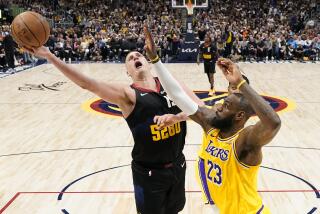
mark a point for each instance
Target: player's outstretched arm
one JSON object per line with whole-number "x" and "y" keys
{"x": 173, "y": 88}
{"x": 263, "y": 131}
{"x": 113, "y": 93}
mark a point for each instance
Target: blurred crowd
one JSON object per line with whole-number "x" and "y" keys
{"x": 263, "y": 30}
{"x": 100, "y": 30}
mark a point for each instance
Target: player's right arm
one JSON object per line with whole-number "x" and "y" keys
{"x": 196, "y": 112}
{"x": 114, "y": 93}
{"x": 252, "y": 138}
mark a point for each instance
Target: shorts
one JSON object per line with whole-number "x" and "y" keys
{"x": 210, "y": 67}
{"x": 159, "y": 191}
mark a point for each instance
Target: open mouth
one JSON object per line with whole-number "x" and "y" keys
{"x": 138, "y": 64}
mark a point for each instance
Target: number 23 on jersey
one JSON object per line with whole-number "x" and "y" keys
{"x": 214, "y": 169}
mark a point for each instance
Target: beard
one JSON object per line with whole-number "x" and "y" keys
{"x": 222, "y": 123}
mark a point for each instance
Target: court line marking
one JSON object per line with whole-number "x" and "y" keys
{"x": 14, "y": 198}
{"x": 314, "y": 189}
{"x": 87, "y": 105}
{"x": 130, "y": 146}
{"x": 10, "y": 202}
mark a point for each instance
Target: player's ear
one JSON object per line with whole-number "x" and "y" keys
{"x": 240, "y": 115}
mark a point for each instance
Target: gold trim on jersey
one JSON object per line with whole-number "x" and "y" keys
{"x": 225, "y": 140}
{"x": 229, "y": 138}
{"x": 209, "y": 131}
{"x": 238, "y": 160}
{"x": 236, "y": 156}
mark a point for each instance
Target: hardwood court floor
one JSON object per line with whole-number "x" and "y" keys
{"x": 48, "y": 142}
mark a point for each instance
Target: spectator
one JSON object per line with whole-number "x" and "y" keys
{"x": 201, "y": 34}
{"x": 107, "y": 24}
{"x": 229, "y": 39}
{"x": 9, "y": 46}
{"x": 261, "y": 48}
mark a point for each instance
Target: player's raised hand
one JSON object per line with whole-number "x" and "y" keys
{"x": 42, "y": 51}
{"x": 230, "y": 70}
{"x": 150, "y": 46}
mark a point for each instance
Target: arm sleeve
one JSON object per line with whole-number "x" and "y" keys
{"x": 174, "y": 90}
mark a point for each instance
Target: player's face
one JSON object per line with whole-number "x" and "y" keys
{"x": 225, "y": 113}
{"x": 136, "y": 63}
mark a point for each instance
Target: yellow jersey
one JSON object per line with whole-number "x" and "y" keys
{"x": 229, "y": 38}
{"x": 227, "y": 182}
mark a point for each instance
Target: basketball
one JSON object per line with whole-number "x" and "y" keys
{"x": 30, "y": 29}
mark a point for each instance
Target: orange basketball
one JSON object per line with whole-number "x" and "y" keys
{"x": 30, "y": 29}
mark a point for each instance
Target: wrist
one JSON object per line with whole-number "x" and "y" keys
{"x": 49, "y": 56}
{"x": 243, "y": 81}
{"x": 183, "y": 117}
{"x": 179, "y": 117}
{"x": 155, "y": 59}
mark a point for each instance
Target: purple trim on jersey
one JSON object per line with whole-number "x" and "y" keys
{"x": 260, "y": 210}
{"x": 202, "y": 174}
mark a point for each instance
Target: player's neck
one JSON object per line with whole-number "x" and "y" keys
{"x": 146, "y": 82}
{"x": 228, "y": 132}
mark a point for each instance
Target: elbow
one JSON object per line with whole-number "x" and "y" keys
{"x": 276, "y": 123}
{"x": 87, "y": 85}
{"x": 84, "y": 86}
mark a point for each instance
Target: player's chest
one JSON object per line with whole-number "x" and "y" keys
{"x": 218, "y": 151}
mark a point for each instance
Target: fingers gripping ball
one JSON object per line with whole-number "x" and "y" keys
{"x": 30, "y": 29}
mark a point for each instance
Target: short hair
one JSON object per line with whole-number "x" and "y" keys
{"x": 245, "y": 105}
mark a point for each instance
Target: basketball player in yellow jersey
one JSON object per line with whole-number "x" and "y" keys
{"x": 231, "y": 153}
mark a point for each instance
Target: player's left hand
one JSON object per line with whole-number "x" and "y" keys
{"x": 150, "y": 46}
{"x": 42, "y": 51}
{"x": 165, "y": 120}
{"x": 230, "y": 70}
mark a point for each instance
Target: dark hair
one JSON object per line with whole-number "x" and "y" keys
{"x": 245, "y": 105}
{"x": 208, "y": 35}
